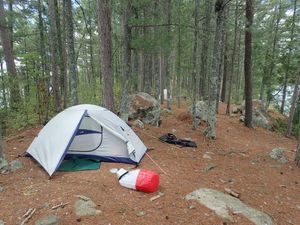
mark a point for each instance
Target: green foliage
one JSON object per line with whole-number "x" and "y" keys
{"x": 279, "y": 125}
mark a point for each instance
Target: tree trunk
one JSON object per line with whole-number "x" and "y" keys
{"x": 4, "y": 101}
{"x": 213, "y": 81}
{"x": 273, "y": 57}
{"x": 225, "y": 71}
{"x": 294, "y": 103}
{"x": 126, "y": 60}
{"x": 43, "y": 81}
{"x": 239, "y": 69}
{"x": 72, "y": 66}
{"x": 222, "y": 73}
{"x": 61, "y": 37}
{"x": 297, "y": 157}
{"x": 168, "y": 50}
{"x": 194, "y": 73}
{"x": 1, "y": 143}
{"x": 141, "y": 71}
{"x": 54, "y": 53}
{"x": 233, "y": 57}
{"x": 105, "y": 53}
{"x": 178, "y": 64}
{"x": 248, "y": 64}
{"x": 9, "y": 58}
{"x": 205, "y": 50}
{"x": 91, "y": 53}
{"x": 290, "y": 47}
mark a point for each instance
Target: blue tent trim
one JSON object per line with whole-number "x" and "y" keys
{"x": 104, "y": 158}
{"x": 85, "y": 131}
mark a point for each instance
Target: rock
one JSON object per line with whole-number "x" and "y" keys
{"x": 86, "y": 207}
{"x": 3, "y": 163}
{"x": 167, "y": 112}
{"x": 206, "y": 156}
{"x": 200, "y": 110}
{"x": 242, "y": 118}
{"x": 223, "y": 204}
{"x": 139, "y": 123}
{"x": 15, "y": 165}
{"x": 259, "y": 114}
{"x": 209, "y": 168}
{"x": 152, "y": 117}
{"x": 48, "y": 220}
{"x": 1, "y": 189}
{"x": 236, "y": 109}
{"x": 278, "y": 154}
{"x": 257, "y": 105}
{"x": 140, "y": 213}
{"x": 144, "y": 107}
{"x": 259, "y": 119}
{"x": 192, "y": 207}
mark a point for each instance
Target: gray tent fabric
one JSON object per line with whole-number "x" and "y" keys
{"x": 88, "y": 131}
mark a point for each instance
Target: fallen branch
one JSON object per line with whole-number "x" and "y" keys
{"x": 232, "y": 193}
{"x": 157, "y": 196}
{"x": 61, "y": 205}
{"x": 28, "y": 215}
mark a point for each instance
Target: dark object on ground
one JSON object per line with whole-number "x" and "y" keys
{"x": 172, "y": 139}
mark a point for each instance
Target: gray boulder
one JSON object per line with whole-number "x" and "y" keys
{"x": 49, "y": 220}
{"x": 223, "y": 204}
{"x": 260, "y": 116}
{"x": 259, "y": 119}
{"x": 278, "y": 154}
{"x": 86, "y": 207}
{"x": 144, "y": 107}
{"x": 200, "y": 110}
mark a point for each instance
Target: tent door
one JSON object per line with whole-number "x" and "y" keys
{"x": 88, "y": 138}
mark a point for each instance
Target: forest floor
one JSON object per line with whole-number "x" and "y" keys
{"x": 239, "y": 161}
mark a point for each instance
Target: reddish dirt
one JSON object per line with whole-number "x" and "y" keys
{"x": 239, "y": 154}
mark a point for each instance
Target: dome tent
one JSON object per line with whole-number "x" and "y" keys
{"x": 87, "y": 131}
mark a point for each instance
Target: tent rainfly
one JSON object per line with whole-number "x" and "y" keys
{"x": 88, "y": 131}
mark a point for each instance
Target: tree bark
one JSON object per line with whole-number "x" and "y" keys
{"x": 222, "y": 70}
{"x": 248, "y": 64}
{"x": 1, "y": 143}
{"x": 194, "y": 73}
{"x": 178, "y": 63}
{"x": 213, "y": 81}
{"x": 54, "y": 53}
{"x": 205, "y": 50}
{"x": 105, "y": 53}
{"x": 272, "y": 58}
{"x": 294, "y": 103}
{"x": 297, "y": 157}
{"x": 72, "y": 65}
{"x": 290, "y": 47}
{"x": 9, "y": 58}
{"x": 91, "y": 52}
{"x": 167, "y": 61}
{"x": 233, "y": 56}
{"x": 126, "y": 60}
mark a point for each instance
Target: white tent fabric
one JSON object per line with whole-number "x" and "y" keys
{"x": 87, "y": 131}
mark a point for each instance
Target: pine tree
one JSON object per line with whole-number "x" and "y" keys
{"x": 104, "y": 27}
